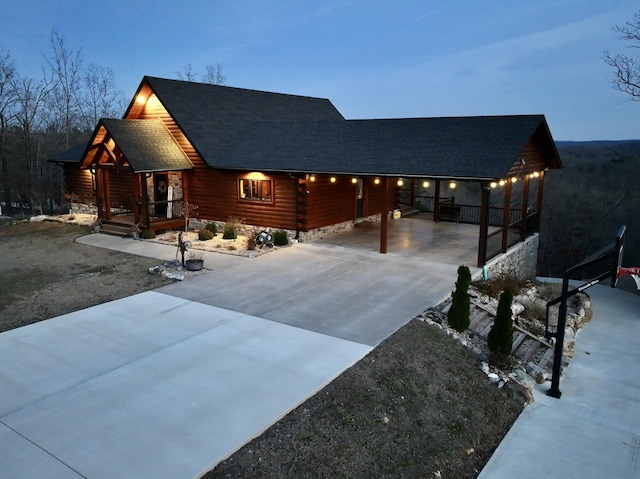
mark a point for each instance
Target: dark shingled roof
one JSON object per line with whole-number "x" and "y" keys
{"x": 212, "y": 116}
{"x": 72, "y": 155}
{"x": 147, "y": 145}
{"x": 458, "y": 147}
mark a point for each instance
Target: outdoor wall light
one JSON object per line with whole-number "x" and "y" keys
{"x": 536, "y": 174}
{"x": 493, "y": 184}
{"x": 514, "y": 179}
{"x": 332, "y": 179}
{"x": 502, "y": 182}
{"x": 354, "y": 180}
{"x": 311, "y": 177}
{"x": 376, "y": 181}
{"x": 141, "y": 99}
{"x": 425, "y": 184}
{"x": 400, "y": 182}
{"x": 453, "y": 185}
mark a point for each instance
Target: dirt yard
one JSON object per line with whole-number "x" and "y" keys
{"x": 417, "y": 406}
{"x": 44, "y": 273}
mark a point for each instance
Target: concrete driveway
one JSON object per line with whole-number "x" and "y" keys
{"x": 167, "y": 383}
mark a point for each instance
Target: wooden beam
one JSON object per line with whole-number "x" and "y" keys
{"x": 525, "y": 208}
{"x": 144, "y": 214}
{"x": 484, "y": 224}
{"x": 412, "y": 192}
{"x": 506, "y": 215}
{"x": 539, "y": 205}
{"x": 107, "y": 195}
{"x": 436, "y": 201}
{"x": 384, "y": 223}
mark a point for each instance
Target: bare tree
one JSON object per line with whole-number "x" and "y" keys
{"x": 627, "y": 68}
{"x": 101, "y": 98}
{"x": 213, "y": 75}
{"x": 30, "y": 119}
{"x": 187, "y": 73}
{"x": 66, "y": 73}
{"x": 7, "y": 112}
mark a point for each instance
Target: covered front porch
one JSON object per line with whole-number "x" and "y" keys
{"x": 139, "y": 175}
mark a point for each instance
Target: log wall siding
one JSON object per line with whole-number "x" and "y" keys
{"x": 215, "y": 192}
{"x": 79, "y": 182}
{"x": 121, "y": 186}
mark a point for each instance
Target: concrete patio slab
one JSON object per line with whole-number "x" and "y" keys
{"x": 155, "y": 387}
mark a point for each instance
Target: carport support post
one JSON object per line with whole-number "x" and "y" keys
{"x": 484, "y": 224}
{"x": 384, "y": 217}
{"x": 436, "y": 201}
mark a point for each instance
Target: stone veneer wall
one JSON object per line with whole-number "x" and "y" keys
{"x": 520, "y": 260}
{"x": 81, "y": 208}
{"x": 197, "y": 223}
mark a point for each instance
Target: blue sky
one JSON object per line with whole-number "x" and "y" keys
{"x": 371, "y": 59}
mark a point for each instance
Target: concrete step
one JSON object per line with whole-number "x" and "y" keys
{"x": 116, "y": 229}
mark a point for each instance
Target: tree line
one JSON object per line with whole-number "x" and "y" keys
{"x": 44, "y": 116}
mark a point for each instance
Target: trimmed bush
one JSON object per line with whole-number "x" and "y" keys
{"x": 230, "y": 231}
{"x": 212, "y": 227}
{"x": 280, "y": 238}
{"x": 205, "y": 235}
{"x": 500, "y": 339}
{"x": 458, "y": 315}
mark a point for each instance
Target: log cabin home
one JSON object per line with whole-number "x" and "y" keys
{"x": 295, "y": 163}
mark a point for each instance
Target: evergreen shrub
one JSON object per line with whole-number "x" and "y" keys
{"x": 458, "y": 315}
{"x": 500, "y": 339}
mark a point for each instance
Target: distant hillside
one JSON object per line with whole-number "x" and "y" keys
{"x": 586, "y": 202}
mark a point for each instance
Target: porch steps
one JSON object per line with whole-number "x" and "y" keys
{"x": 526, "y": 346}
{"x": 116, "y": 229}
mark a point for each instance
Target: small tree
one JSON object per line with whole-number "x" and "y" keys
{"x": 500, "y": 337}
{"x": 458, "y": 314}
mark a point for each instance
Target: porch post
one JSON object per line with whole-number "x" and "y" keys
{"x": 384, "y": 218}
{"x": 525, "y": 208}
{"x": 144, "y": 216}
{"x": 436, "y": 201}
{"x": 136, "y": 198}
{"x": 539, "y": 205}
{"x": 506, "y": 215}
{"x": 484, "y": 224}
{"x": 99, "y": 193}
{"x": 107, "y": 194}
{"x": 412, "y": 192}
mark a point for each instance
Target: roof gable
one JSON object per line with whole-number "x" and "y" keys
{"x": 146, "y": 145}
{"x": 212, "y": 116}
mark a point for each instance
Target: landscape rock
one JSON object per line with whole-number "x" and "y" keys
{"x": 519, "y": 392}
{"x": 537, "y": 373}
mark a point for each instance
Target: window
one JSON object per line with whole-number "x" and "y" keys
{"x": 255, "y": 190}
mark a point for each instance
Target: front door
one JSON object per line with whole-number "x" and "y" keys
{"x": 160, "y": 191}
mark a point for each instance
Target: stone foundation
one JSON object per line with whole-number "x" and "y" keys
{"x": 247, "y": 230}
{"x": 319, "y": 233}
{"x": 81, "y": 208}
{"x": 520, "y": 260}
